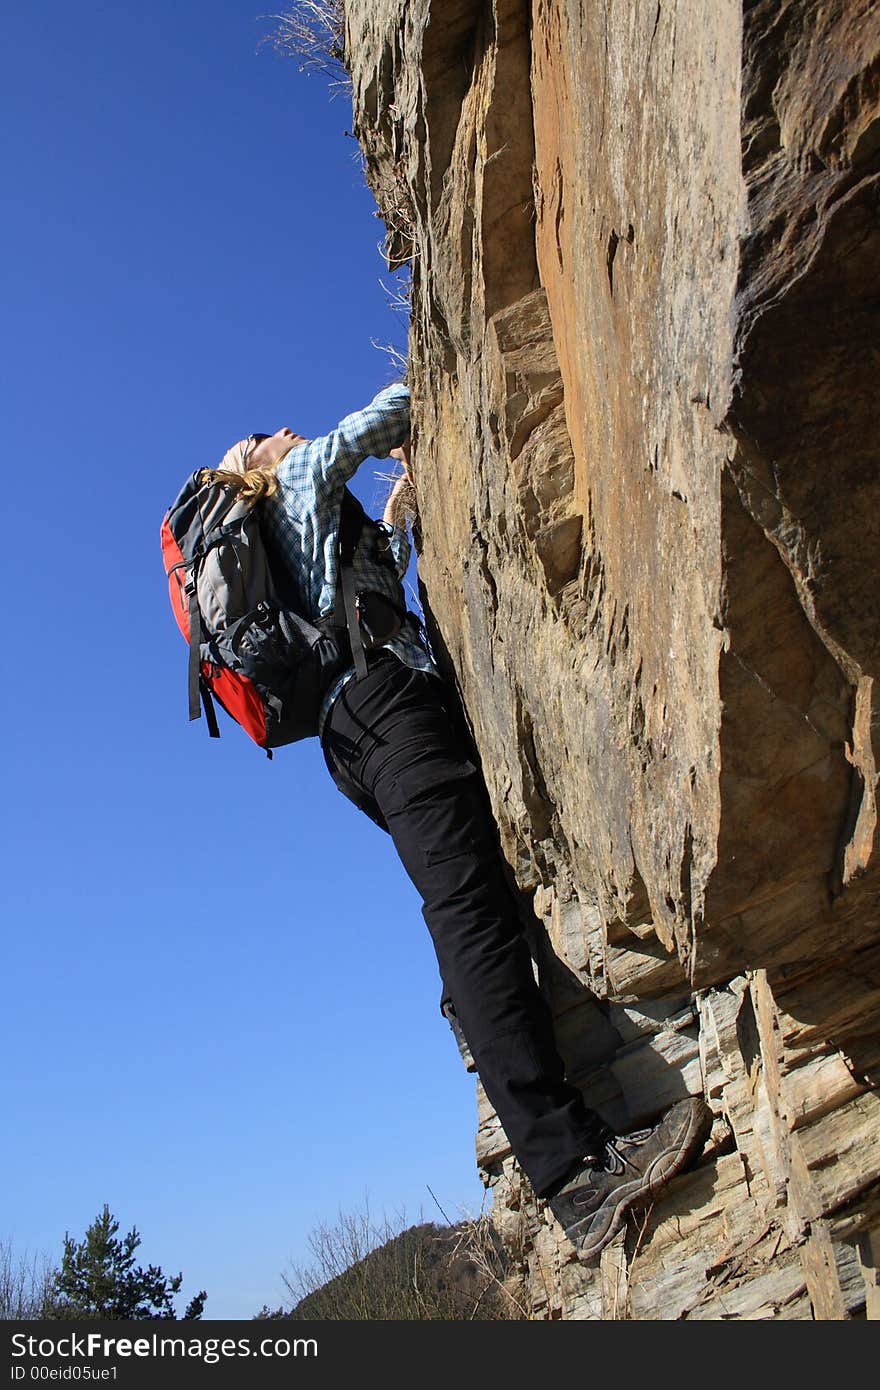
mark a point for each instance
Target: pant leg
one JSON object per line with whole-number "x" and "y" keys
{"x": 392, "y": 734}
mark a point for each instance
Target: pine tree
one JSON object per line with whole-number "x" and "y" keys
{"x": 98, "y": 1279}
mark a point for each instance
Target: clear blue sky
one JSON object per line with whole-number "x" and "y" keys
{"x": 220, "y": 1009}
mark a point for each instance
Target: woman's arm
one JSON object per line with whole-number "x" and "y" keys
{"x": 401, "y": 503}
{"x": 373, "y": 432}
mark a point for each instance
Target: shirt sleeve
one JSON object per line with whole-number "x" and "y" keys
{"x": 400, "y": 548}
{"x": 370, "y": 433}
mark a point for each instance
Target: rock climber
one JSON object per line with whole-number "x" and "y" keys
{"x": 390, "y": 744}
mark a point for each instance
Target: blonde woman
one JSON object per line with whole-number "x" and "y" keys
{"x": 390, "y": 745}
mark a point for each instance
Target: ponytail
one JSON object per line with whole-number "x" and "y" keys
{"x": 251, "y": 486}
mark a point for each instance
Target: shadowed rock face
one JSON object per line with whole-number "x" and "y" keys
{"x": 644, "y": 241}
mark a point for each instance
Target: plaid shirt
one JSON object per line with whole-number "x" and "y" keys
{"x": 302, "y": 522}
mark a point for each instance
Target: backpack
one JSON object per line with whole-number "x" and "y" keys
{"x": 249, "y": 647}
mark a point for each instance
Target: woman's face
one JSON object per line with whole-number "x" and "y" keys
{"x": 272, "y": 448}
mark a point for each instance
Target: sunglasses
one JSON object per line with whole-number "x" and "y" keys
{"x": 251, "y": 443}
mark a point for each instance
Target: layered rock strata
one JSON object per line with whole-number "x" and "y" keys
{"x": 643, "y": 240}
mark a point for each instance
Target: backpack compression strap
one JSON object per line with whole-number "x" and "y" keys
{"x": 195, "y": 642}
{"x": 199, "y": 693}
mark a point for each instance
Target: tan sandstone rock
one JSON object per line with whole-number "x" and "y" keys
{"x": 644, "y": 243}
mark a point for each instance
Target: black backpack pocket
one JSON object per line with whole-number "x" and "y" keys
{"x": 379, "y": 618}
{"x": 266, "y": 640}
{"x": 289, "y": 661}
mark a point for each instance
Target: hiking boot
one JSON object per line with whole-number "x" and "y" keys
{"x": 592, "y": 1204}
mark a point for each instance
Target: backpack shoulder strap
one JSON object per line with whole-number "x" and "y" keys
{"x": 351, "y": 520}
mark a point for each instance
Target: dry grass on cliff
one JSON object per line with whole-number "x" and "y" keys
{"x": 313, "y": 31}
{"x": 406, "y": 503}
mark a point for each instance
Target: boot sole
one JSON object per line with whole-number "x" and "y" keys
{"x": 606, "y": 1222}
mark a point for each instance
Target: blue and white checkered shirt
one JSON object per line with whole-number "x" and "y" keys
{"x": 302, "y": 520}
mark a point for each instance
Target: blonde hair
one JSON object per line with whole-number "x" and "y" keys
{"x": 251, "y": 485}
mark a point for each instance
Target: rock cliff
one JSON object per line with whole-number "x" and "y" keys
{"x": 644, "y": 242}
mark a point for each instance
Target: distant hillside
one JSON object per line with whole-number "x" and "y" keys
{"x": 427, "y": 1272}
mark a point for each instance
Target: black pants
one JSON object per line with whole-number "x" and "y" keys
{"x": 390, "y": 747}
